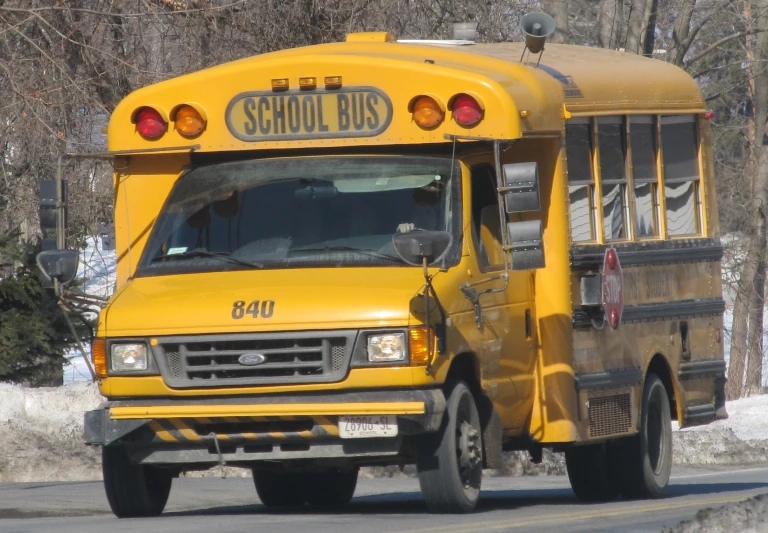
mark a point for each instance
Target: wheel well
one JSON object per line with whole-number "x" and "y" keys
{"x": 464, "y": 368}
{"x": 660, "y": 367}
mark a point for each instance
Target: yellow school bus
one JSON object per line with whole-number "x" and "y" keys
{"x": 383, "y": 253}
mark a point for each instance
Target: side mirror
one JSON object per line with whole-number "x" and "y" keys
{"x": 521, "y": 187}
{"x": 60, "y": 265}
{"x": 415, "y": 246}
{"x": 526, "y": 244}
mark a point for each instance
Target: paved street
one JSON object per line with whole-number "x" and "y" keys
{"x": 539, "y": 504}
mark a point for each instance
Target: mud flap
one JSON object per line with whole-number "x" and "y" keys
{"x": 491, "y": 424}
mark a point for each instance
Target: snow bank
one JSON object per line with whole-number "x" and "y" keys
{"x": 750, "y": 516}
{"x": 41, "y": 431}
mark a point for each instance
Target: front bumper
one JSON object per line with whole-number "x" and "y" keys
{"x": 244, "y": 429}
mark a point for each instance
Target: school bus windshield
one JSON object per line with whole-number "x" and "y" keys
{"x": 301, "y": 212}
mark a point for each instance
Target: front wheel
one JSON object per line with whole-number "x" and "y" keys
{"x": 450, "y": 462}
{"x": 641, "y": 464}
{"x": 133, "y": 490}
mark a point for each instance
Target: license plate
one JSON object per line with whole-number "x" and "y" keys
{"x": 361, "y": 427}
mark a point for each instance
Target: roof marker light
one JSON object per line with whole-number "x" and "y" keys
{"x": 280, "y": 84}
{"x": 307, "y": 84}
{"x": 333, "y": 82}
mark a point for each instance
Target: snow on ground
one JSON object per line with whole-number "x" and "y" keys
{"x": 746, "y": 418}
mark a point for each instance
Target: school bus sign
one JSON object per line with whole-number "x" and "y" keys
{"x": 295, "y": 115}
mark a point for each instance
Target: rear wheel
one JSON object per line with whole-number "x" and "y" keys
{"x": 133, "y": 490}
{"x": 450, "y": 462}
{"x": 329, "y": 488}
{"x": 277, "y": 488}
{"x": 642, "y": 463}
{"x": 333, "y": 487}
{"x": 589, "y": 473}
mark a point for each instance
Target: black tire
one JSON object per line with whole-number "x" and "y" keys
{"x": 133, "y": 490}
{"x": 450, "y": 462}
{"x": 330, "y": 488}
{"x": 641, "y": 464}
{"x": 277, "y": 488}
{"x": 589, "y": 473}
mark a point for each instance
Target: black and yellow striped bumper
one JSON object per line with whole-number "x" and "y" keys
{"x": 270, "y": 420}
{"x": 243, "y": 429}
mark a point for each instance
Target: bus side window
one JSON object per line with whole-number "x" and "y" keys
{"x": 578, "y": 150}
{"x": 642, "y": 134}
{"x": 680, "y": 149}
{"x": 613, "y": 176}
{"x": 486, "y": 224}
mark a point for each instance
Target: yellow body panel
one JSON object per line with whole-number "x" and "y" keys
{"x": 202, "y": 303}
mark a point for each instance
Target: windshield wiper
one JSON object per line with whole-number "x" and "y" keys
{"x": 201, "y": 252}
{"x": 365, "y": 251}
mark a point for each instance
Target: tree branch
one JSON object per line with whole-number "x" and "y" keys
{"x": 720, "y": 42}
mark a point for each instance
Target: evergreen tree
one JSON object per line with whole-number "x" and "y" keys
{"x": 33, "y": 332}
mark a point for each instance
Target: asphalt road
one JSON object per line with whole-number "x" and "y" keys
{"x": 539, "y": 504}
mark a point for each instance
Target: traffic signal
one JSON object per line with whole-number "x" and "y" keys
{"x": 53, "y": 213}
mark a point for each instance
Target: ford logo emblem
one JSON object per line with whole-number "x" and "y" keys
{"x": 251, "y": 359}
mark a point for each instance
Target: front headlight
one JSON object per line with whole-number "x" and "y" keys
{"x": 387, "y": 347}
{"x": 128, "y": 357}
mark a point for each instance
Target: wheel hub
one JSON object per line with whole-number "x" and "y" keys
{"x": 469, "y": 446}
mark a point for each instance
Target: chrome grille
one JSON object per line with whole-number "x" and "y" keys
{"x": 609, "y": 415}
{"x": 214, "y": 360}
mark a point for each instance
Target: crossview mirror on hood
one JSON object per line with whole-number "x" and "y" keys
{"x": 60, "y": 265}
{"x": 415, "y": 246}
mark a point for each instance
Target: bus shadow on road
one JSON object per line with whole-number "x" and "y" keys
{"x": 491, "y": 500}
{"x": 400, "y": 503}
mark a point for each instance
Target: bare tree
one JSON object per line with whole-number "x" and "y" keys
{"x": 610, "y": 23}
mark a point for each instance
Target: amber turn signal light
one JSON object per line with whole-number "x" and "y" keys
{"x": 418, "y": 345}
{"x": 427, "y": 113}
{"x": 99, "y": 356}
{"x": 189, "y": 123}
